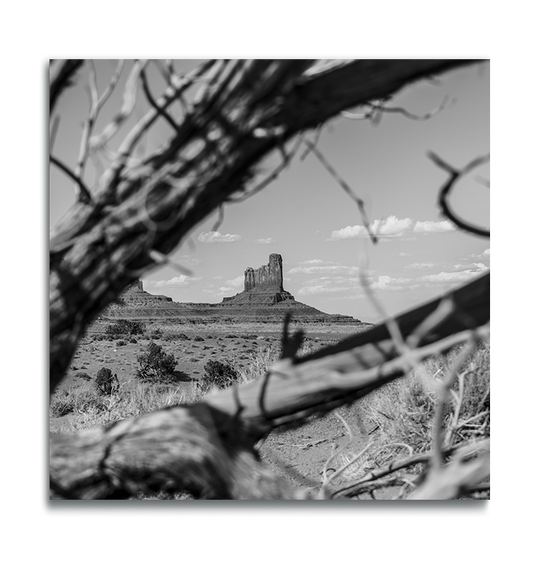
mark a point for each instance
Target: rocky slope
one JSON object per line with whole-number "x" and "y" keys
{"x": 263, "y": 299}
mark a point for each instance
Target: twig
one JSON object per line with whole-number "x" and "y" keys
{"x": 438, "y": 441}
{"x": 354, "y": 488}
{"x": 160, "y": 111}
{"x": 381, "y": 108}
{"x": 360, "y": 203}
{"x": 454, "y": 175}
{"x": 96, "y": 105}
{"x": 84, "y": 195}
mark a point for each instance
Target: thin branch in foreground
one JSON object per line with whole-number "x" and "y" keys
{"x": 454, "y": 175}
{"x": 84, "y": 196}
{"x": 445, "y": 386}
{"x": 360, "y": 203}
{"x": 381, "y": 108}
{"x": 160, "y": 111}
{"x": 96, "y": 105}
{"x": 128, "y": 105}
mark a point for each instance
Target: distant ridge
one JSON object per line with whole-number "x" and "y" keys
{"x": 263, "y": 299}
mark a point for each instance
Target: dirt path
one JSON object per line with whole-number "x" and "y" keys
{"x": 300, "y": 454}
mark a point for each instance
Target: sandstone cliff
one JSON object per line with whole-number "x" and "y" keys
{"x": 263, "y": 299}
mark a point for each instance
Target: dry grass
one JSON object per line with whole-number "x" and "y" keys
{"x": 399, "y": 417}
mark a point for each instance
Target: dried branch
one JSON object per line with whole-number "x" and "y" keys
{"x": 454, "y": 175}
{"x": 62, "y": 73}
{"x": 445, "y": 388}
{"x": 160, "y": 111}
{"x": 458, "y": 476}
{"x": 360, "y": 203}
{"x": 128, "y": 105}
{"x": 84, "y": 195}
{"x": 362, "y": 484}
{"x": 96, "y": 105}
{"x": 375, "y": 108}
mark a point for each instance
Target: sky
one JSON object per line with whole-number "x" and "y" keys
{"x": 310, "y": 220}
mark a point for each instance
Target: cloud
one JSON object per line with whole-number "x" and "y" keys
{"x": 384, "y": 282}
{"x": 189, "y": 261}
{"x": 177, "y": 281}
{"x": 321, "y": 289}
{"x": 434, "y": 227}
{"x": 419, "y": 265}
{"x": 321, "y": 285}
{"x": 389, "y": 227}
{"x": 216, "y": 237}
{"x": 268, "y": 241}
{"x": 325, "y": 270}
{"x": 405, "y": 254}
{"x": 393, "y": 227}
{"x": 451, "y": 277}
{"x": 237, "y": 282}
{"x": 316, "y": 262}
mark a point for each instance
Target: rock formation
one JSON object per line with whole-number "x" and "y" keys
{"x": 263, "y": 299}
{"x": 262, "y": 286}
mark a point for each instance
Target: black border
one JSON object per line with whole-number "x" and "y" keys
{"x": 198, "y": 510}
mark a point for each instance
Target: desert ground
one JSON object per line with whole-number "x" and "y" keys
{"x": 299, "y": 454}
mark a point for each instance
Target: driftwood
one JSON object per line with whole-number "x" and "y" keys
{"x": 141, "y": 212}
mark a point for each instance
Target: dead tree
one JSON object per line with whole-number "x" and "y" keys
{"x": 141, "y": 210}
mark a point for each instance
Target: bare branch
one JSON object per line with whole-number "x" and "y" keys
{"x": 360, "y": 203}
{"x": 83, "y": 194}
{"x": 96, "y": 105}
{"x": 454, "y": 175}
{"x": 370, "y": 114}
{"x": 128, "y": 104}
{"x": 61, "y": 75}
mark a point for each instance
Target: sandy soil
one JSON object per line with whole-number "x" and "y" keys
{"x": 299, "y": 454}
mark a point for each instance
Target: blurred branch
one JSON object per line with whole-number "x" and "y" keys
{"x": 454, "y": 175}
{"x": 380, "y": 108}
{"x": 84, "y": 195}
{"x": 360, "y": 203}
{"x": 61, "y": 77}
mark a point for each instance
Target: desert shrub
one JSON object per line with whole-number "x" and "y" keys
{"x": 175, "y": 336}
{"x": 83, "y": 375}
{"x": 156, "y": 334}
{"x": 133, "y": 340}
{"x": 121, "y": 343}
{"x": 124, "y": 327}
{"x": 106, "y": 382}
{"x": 155, "y": 364}
{"x": 218, "y": 374}
{"x": 198, "y": 339}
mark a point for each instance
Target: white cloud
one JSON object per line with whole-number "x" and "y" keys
{"x": 324, "y": 269}
{"x": 486, "y": 252}
{"x": 389, "y": 227}
{"x": 216, "y": 237}
{"x": 392, "y": 227}
{"x": 237, "y": 282}
{"x": 451, "y": 277}
{"x": 268, "y": 241}
{"x": 384, "y": 282}
{"x": 419, "y": 265}
{"x": 405, "y": 254}
{"x": 321, "y": 289}
{"x": 316, "y": 262}
{"x": 177, "y": 281}
{"x": 188, "y": 261}
{"x": 434, "y": 227}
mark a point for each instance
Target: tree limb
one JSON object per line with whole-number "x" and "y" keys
{"x": 97, "y": 251}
